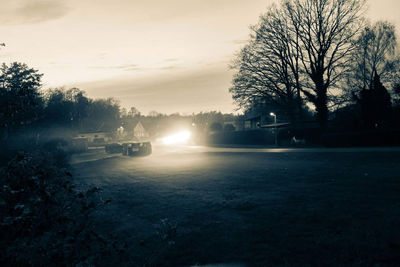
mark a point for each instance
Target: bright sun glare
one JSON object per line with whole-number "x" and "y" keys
{"x": 177, "y": 138}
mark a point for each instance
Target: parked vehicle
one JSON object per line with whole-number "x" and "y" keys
{"x": 136, "y": 149}
{"x": 113, "y": 148}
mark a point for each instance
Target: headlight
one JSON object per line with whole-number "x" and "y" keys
{"x": 177, "y": 138}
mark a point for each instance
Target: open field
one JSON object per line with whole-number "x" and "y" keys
{"x": 251, "y": 206}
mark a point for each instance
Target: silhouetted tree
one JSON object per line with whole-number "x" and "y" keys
{"x": 20, "y": 100}
{"x": 58, "y": 109}
{"x": 123, "y": 112}
{"x": 81, "y": 106}
{"x": 324, "y": 31}
{"x": 301, "y": 46}
{"x": 375, "y": 104}
{"x": 66, "y": 107}
{"x": 375, "y": 53}
{"x": 229, "y": 127}
{"x": 396, "y": 92}
{"x": 268, "y": 67}
{"x": 215, "y": 127}
{"x": 154, "y": 113}
{"x": 133, "y": 112}
{"x": 203, "y": 120}
{"x": 102, "y": 115}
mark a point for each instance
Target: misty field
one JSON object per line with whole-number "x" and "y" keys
{"x": 252, "y": 207}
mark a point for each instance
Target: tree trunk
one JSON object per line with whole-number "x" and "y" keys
{"x": 322, "y": 111}
{"x": 299, "y": 104}
{"x": 321, "y": 104}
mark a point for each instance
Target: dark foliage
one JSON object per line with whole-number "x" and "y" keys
{"x": 254, "y": 137}
{"x": 229, "y": 127}
{"x": 362, "y": 138}
{"x": 66, "y": 108}
{"x": 309, "y": 136}
{"x": 299, "y": 51}
{"x": 20, "y": 101}
{"x": 27, "y": 114}
{"x": 72, "y": 109}
{"x": 396, "y": 91}
{"x": 43, "y": 219}
{"x": 215, "y": 127}
{"x": 102, "y": 115}
{"x": 375, "y": 104}
{"x": 348, "y": 118}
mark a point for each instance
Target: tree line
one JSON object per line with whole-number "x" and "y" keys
{"x": 25, "y": 107}
{"x": 322, "y": 54}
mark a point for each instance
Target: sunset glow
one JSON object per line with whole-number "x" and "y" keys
{"x": 142, "y": 53}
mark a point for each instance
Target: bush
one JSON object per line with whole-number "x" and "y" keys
{"x": 362, "y": 138}
{"x": 253, "y": 137}
{"x": 43, "y": 219}
{"x": 312, "y": 136}
{"x": 229, "y": 127}
{"x": 60, "y": 150}
{"x": 215, "y": 127}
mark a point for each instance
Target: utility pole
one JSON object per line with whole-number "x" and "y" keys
{"x": 275, "y": 129}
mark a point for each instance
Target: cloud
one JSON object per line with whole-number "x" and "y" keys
{"x": 171, "y": 60}
{"x": 125, "y": 67}
{"x": 134, "y": 67}
{"x": 32, "y": 11}
{"x": 197, "y": 90}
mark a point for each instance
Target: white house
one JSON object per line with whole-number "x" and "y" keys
{"x": 139, "y": 131}
{"x": 95, "y": 136}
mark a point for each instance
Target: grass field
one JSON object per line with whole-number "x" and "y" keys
{"x": 255, "y": 209}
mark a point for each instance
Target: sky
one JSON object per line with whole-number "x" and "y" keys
{"x": 164, "y": 55}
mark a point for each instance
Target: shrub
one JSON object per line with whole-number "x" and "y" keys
{"x": 60, "y": 150}
{"x": 362, "y": 138}
{"x": 43, "y": 219}
{"x": 253, "y": 137}
{"x": 229, "y": 127}
{"x": 215, "y": 127}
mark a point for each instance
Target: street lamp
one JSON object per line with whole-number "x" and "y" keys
{"x": 273, "y": 115}
{"x": 276, "y": 129}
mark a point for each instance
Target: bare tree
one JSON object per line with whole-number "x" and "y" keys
{"x": 325, "y": 31}
{"x": 153, "y": 113}
{"x": 375, "y": 53}
{"x": 133, "y": 112}
{"x": 268, "y": 67}
{"x": 301, "y": 48}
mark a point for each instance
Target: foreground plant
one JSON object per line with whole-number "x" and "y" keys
{"x": 44, "y": 220}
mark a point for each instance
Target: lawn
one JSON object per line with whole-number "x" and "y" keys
{"x": 255, "y": 209}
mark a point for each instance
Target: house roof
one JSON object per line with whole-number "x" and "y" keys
{"x": 139, "y": 127}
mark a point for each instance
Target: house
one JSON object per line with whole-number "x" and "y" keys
{"x": 94, "y": 137}
{"x": 254, "y": 121}
{"x": 257, "y": 116}
{"x": 139, "y": 131}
